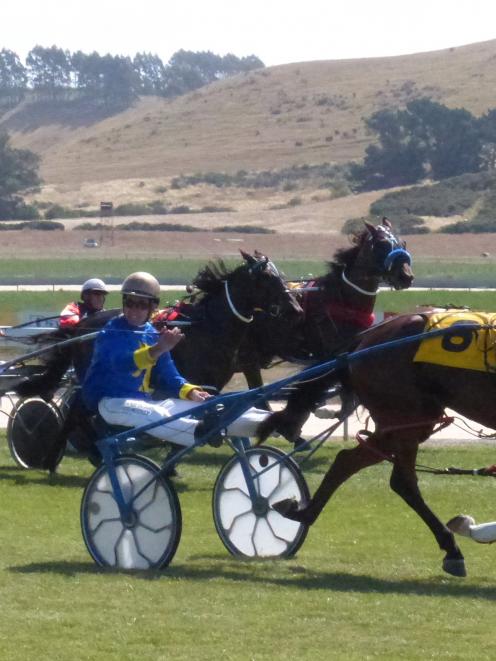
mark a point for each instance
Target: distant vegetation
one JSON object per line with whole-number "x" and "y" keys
{"x": 18, "y": 174}
{"x": 470, "y": 194}
{"x": 425, "y": 139}
{"x": 327, "y": 176}
{"x": 136, "y": 226}
{"x": 108, "y": 80}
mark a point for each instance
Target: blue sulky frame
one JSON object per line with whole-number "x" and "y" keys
{"x": 130, "y": 513}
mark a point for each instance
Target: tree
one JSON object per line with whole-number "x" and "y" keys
{"x": 13, "y": 77}
{"x": 18, "y": 174}
{"x": 88, "y": 73}
{"x": 487, "y": 125}
{"x": 426, "y": 138}
{"x": 119, "y": 80}
{"x": 49, "y": 69}
{"x": 151, "y": 72}
{"x": 451, "y": 137}
{"x": 188, "y": 70}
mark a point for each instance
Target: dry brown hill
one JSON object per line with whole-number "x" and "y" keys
{"x": 295, "y": 114}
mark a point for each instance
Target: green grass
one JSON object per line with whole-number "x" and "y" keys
{"x": 18, "y": 307}
{"x": 171, "y": 271}
{"x": 181, "y": 271}
{"x": 367, "y": 583}
{"x": 406, "y": 301}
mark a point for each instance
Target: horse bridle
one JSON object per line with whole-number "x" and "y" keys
{"x": 396, "y": 252}
{"x": 274, "y": 309}
{"x": 232, "y": 307}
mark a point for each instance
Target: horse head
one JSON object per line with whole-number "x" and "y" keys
{"x": 266, "y": 288}
{"x": 385, "y": 256}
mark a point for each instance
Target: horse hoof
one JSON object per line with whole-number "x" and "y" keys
{"x": 455, "y": 567}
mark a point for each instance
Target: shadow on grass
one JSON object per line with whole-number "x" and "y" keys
{"x": 297, "y": 577}
{"x": 22, "y": 477}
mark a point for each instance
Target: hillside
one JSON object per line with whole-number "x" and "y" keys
{"x": 295, "y": 114}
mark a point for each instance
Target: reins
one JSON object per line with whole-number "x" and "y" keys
{"x": 363, "y": 435}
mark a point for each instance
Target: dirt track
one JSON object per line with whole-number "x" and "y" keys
{"x": 205, "y": 244}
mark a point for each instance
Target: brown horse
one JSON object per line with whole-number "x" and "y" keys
{"x": 336, "y": 305}
{"x": 406, "y": 389}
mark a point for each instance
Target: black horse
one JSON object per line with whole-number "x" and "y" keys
{"x": 221, "y": 312}
{"x": 406, "y": 387}
{"x": 336, "y": 306}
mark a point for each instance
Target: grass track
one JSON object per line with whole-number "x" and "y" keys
{"x": 366, "y": 584}
{"x": 475, "y": 272}
{"x": 17, "y": 307}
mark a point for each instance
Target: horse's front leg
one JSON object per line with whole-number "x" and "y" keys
{"x": 404, "y": 482}
{"x": 346, "y": 464}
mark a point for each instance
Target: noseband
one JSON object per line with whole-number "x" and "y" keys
{"x": 396, "y": 254}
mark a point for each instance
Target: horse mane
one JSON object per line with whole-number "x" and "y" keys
{"x": 345, "y": 257}
{"x": 210, "y": 278}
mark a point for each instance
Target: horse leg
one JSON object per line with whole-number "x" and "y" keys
{"x": 404, "y": 482}
{"x": 347, "y": 463}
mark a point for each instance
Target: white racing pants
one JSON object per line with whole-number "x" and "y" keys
{"x": 136, "y": 412}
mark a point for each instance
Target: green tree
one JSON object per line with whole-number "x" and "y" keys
{"x": 88, "y": 73}
{"x": 49, "y": 70}
{"x": 424, "y": 139}
{"x": 120, "y": 81}
{"x": 151, "y": 72}
{"x": 18, "y": 174}
{"x": 451, "y": 137}
{"x": 487, "y": 124}
{"x": 13, "y": 78}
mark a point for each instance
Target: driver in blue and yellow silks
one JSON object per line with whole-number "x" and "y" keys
{"x": 118, "y": 382}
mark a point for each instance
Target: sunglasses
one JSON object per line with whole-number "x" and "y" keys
{"x": 139, "y": 303}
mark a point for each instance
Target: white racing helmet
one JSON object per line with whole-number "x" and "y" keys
{"x": 94, "y": 284}
{"x": 142, "y": 285}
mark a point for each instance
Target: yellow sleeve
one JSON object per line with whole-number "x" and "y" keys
{"x": 186, "y": 389}
{"x": 143, "y": 359}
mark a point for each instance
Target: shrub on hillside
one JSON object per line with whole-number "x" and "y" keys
{"x": 24, "y": 211}
{"x": 467, "y": 226}
{"x": 58, "y": 211}
{"x": 403, "y": 224}
{"x": 32, "y": 225}
{"x": 213, "y": 209}
{"x": 244, "y": 229}
{"x": 133, "y": 209}
{"x": 136, "y": 226}
{"x": 483, "y": 221}
{"x": 286, "y": 179}
{"x": 447, "y": 198}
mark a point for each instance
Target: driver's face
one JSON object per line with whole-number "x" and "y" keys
{"x": 95, "y": 299}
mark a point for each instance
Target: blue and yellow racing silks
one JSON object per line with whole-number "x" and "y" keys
{"x": 121, "y": 365}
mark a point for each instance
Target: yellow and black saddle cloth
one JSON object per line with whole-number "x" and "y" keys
{"x": 465, "y": 348}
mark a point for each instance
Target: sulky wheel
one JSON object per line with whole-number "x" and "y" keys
{"x": 32, "y": 432}
{"x": 149, "y": 539}
{"x": 253, "y": 529}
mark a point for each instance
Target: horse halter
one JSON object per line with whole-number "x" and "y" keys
{"x": 396, "y": 254}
